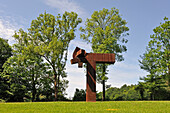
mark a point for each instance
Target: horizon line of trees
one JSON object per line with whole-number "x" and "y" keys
{"x": 33, "y": 69}
{"x": 124, "y": 93}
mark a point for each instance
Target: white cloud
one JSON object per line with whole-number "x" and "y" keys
{"x": 67, "y": 5}
{"x": 82, "y": 44}
{"x": 10, "y": 24}
{"x": 7, "y": 30}
{"x": 7, "y": 25}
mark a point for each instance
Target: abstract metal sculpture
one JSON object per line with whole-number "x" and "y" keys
{"x": 80, "y": 56}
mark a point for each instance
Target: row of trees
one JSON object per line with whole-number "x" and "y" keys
{"x": 133, "y": 93}
{"x": 125, "y": 93}
{"x": 35, "y": 66}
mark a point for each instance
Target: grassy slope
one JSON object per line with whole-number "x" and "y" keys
{"x": 80, "y": 107}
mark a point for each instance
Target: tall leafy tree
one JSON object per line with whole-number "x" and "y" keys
{"x": 24, "y": 71}
{"x": 160, "y": 46}
{"x": 5, "y": 53}
{"x": 156, "y": 59}
{"x": 13, "y": 72}
{"x": 105, "y": 30}
{"x": 153, "y": 81}
{"x": 49, "y": 37}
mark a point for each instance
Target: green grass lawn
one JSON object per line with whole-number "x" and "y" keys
{"x": 90, "y": 107}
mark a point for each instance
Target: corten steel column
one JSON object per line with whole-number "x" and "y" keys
{"x": 91, "y": 81}
{"x": 80, "y": 56}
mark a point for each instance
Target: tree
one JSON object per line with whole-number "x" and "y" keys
{"x": 5, "y": 53}
{"x": 156, "y": 59}
{"x": 141, "y": 88}
{"x": 49, "y": 37}
{"x": 160, "y": 45}
{"x": 15, "y": 75}
{"x": 79, "y": 95}
{"x": 105, "y": 30}
{"x": 24, "y": 70}
{"x": 24, "y": 76}
{"x": 153, "y": 80}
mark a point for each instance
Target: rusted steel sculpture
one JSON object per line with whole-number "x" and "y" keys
{"x": 80, "y": 56}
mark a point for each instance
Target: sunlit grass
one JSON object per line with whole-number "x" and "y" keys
{"x": 90, "y": 107}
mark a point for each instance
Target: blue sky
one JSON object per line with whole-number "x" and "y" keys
{"x": 142, "y": 17}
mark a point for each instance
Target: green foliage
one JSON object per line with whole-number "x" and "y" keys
{"x": 141, "y": 88}
{"x": 156, "y": 59}
{"x": 134, "y": 92}
{"x": 24, "y": 71}
{"x": 79, "y": 95}
{"x": 125, "y": 93}
{"x": 18, "y": 78}
{"x": 160, "y": 46}
{"x": 5, "y": 53}
{"x": 153, "y": 81}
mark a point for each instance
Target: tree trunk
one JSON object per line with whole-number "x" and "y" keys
{"x": 151, "y": 96}
{"x": 103, "y": 82}
{"x": 55, "y": 87}
{"x": 103, "y": 90}
{"x": 58, "y": 82}
{"x": 33, "y": 88}
{"x": 141, "y": 94}
{"x": 33, "y": 92}
{"x": 168, "y": 76}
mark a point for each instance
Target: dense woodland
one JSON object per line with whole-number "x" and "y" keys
{"x": 33, "y": 69}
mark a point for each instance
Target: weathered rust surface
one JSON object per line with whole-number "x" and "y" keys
{"x": 80, "y": 56}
